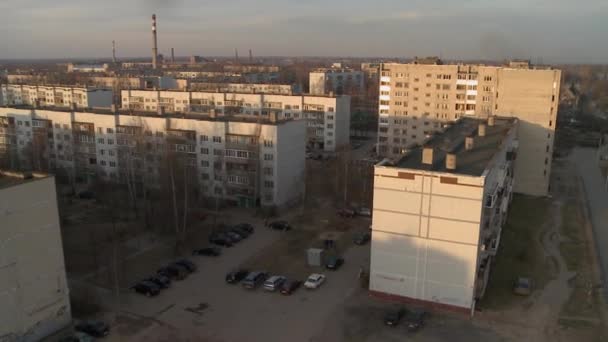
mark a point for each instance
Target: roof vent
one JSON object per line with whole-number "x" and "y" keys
{"x": 481, "y": 130}
{"x": 491, "y": 120}
{"x": 469, "y": 143}
{"x": 427, "y": 156}
{"x": 450, "y": 161}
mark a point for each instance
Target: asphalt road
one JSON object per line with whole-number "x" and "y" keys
{"x": 597, "y": 200}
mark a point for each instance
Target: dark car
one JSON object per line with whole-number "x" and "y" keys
{"x": 93, "y": 328}
{"x": 279, "y": 225}
{"x": 334, "y": 262}
{"x": 235, "y": 277}
{"x": 147, "y": 288}
{"x": 242, "y": 232}
{"x": 187, "y": 264}
{"x": 362, "y": 238}
{"x": 234, "y": 236}
{"x": 254, "y": 279}
{"x": 160, "y": 280}
{"x": 346, "y": 212}
{"x": 174, "y": 272}
{"x": 220, "y": 240}
{"x": 393, "y": 317}
{"x": 415, "y": 320}
{"x": 245, "y": 227}
{"x": 290, "y": 286}
{"x": 207, "y": 251}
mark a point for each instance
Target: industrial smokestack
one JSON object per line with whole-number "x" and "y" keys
{"x": 172, "y": 55}
{"x": 250, "y": 56}
{"x": 236, "y": 55}
{"x": 154, "y": 44}
{"x": 113, "y": 52}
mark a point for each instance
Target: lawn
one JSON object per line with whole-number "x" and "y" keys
{"x": 520, "y": 253}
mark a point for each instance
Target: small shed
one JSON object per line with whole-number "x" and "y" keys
{"x": 314, "y": 256}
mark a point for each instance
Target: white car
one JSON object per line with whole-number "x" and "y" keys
{"x": 314, "y": 280}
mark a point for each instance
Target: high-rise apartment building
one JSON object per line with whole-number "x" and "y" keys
{"x": 336, "y": 80}
{"x": 439, "y": 211}
{"x": 247, "y": 162}
{"x": 327, "y": 117}
{"x": 55, "y": 96}
{"x": 416, "y": 99}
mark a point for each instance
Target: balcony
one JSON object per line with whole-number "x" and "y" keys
{"x": 483, "y": 274}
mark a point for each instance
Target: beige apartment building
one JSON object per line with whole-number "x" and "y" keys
{"x": 243, "y": 161}
{"x": 337, "y": 81}
{"x": 438, "y": 214}
{"x": 416, "y": 98}
{"x": 34, "y": 294}
{"x": 327, "y": 117}
{"x": 55, "y": 96}
{"x": 261, "y": 88}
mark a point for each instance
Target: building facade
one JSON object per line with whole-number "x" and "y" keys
{"x": 245, "y": 162}
{"x": 438, "y": 214}
{"x": 327, "y": 117}
{"x": 337, "y": 81}
{"x": 260, "y": 88}
{"x": 55, "y": 96}
{"x": 415, "y": 99}
{"x": 34, "y": 293}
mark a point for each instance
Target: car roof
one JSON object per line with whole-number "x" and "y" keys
{"x": 315, "y": 276}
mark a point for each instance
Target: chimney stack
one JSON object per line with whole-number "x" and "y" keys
{"x": 172, "y": 55}
{"x": 154, "y": 43}
{"x": 481, "y": 130}
{"x": 113, "y": 52}
{"x": 491, "y": 120}
{"x": 450, "y": 161}
{"x": 469, "y": 143}
{"x": 427, "y": 156}
{"x": 236, "y": 55}
{"x": 250, "y": 57}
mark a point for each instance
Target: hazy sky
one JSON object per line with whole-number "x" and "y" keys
{"x": 554, "y": 30}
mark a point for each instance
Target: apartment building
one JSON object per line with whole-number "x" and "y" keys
{"x": 438, "y": 214}
{"x": 55, "y": 96}
{"x": 328, "y": 117}
{"x": 260, "y": 88}
{"x": 247, "y": 162}
{"x": 225, "y": 76}
{"x": 251, "y": 68}
{"x": 416, "y": 98}
{"x": 337, "y": 81}
{"x": 34, "y": 294}
{"x": 71, "y": 67}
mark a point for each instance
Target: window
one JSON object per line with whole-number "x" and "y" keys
{"x": 268, "y": 171}
{"x": 330, "y": 109}
{"x": 217, "y": 139}
{"x": 102, "y": 152}
{"x": 330, "y": 125}
{"x": 217, "y": 152}
{"x": 268, "y": 143}
{"x": 268, "y": 157}
{"x": 101, "y": 141}
{"x": 109, "y": 130}
{"x": 204, "y": 176}
{"x": 112, "y": 164}
{"x": 550, "y": 123}
{"x": 204, "y": 150}
{"x": 110, "y": 142}
{"x": 204, "y": 163}
{"x": 111, "y": 152}
{"x": 268, "y": 184}
{"x": 204, "y": 138}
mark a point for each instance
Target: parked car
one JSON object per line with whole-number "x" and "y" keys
{"x": 235, "y": 277}
{"x": 77, "y": 337}
{"x": 220, "y": 240}
{"x": 160, "y": 280}
{"x": 523, "y": 286}
{"x": 362, "y": 211}
{"x": 174, "y": 272}
{"x": 274, "y": 283}
{"x": 236, "y": 237}
{"x": 147, "y": 288}
{"x": 93, "y": 328}
{"x": 346, "y": 212}
{"x": 242, "y": 232}
{"x": 394, "y": 316}
{"x": 289, "y": 286}
{"x": 415, "y": 320}
{"x": 362, "y": 238}
{"x": 314, "y": 281}
{"x": 279, "y": 225}
{"x": 254, "y": 279}
{"x": 207, "y": 251}
{"x": 334, "y": 262}
{"x": 187, "y": 264}
{"x": 246, "y": 227}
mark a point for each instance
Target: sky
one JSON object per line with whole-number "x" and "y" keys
{"x": 551, "y": 31}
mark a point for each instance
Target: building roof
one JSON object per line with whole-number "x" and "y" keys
{"x": 13, "y": 178}
{"x": 469, "y": 162}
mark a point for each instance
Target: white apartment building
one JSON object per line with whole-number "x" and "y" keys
{"x": 34, "y": 294}
{"x": 245, "y": 162}
{"x": 336, "y": 80}
{"x": 261, "y": 88}
{"x": 55, "y": 96}
{"x": 438, "y": 214}
{"x": 328, "y": 117}
{"x": 88, "y": 67}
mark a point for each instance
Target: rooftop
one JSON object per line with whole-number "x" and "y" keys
{"x": 13, "y": 178}
{"x": 471, "y": 162}
{"x": 191, "y": 116}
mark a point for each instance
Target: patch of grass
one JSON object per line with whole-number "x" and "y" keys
{"x": 520, "y": 253}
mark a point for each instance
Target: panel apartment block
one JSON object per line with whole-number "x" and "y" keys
{"x": 416, "y": 99}
{"x": 55, "y": 96}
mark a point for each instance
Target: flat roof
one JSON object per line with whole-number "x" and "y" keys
{"x": 13, "y": 178}
{"x": 468, "y": 162}
{"x": 190, "y": 116}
